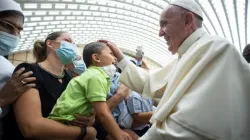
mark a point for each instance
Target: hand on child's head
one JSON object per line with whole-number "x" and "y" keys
{"x": 103, "y": 41}
{"x": 116, "y": 51}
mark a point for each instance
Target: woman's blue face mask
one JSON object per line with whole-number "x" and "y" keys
{"x": 67, "y": 52}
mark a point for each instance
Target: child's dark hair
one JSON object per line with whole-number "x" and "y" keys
{"x": 89, "y": 50}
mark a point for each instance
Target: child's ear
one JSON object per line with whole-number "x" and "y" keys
{"x": 95, "y": 58}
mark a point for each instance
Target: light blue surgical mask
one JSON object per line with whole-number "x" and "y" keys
{"x": 67, "y": 52}
{"x": 8, "y": 43}
{"x": 79, "y": 65}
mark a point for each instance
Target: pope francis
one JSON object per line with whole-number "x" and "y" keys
{"x": 206, "y": 89}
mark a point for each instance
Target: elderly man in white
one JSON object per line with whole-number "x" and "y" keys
{"x": 206, "y": 89}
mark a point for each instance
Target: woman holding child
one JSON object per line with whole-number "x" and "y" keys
{"x": 31, "y": 109}
{"x": 28, "y": 118}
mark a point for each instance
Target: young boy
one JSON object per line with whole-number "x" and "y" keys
{"x": 87, "y": 93}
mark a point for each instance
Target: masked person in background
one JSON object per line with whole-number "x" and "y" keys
{"x": 11, "y": 86}
{"x": 206, "y": 89}
{"x": 77, "y": 67}
{"x": 28, "y": 119}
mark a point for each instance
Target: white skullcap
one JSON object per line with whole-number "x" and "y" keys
{"x": 6, "y": 5}
{"x": 189, "y": 5}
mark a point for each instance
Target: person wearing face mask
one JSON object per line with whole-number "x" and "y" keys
{"x": 11, "y": 86}
{"x": 89, "y": 90}
{"x": 77, "y": 67}
{"x": 28, "y": 119}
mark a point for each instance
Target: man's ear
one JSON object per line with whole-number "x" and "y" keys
{"x": 95, "y": 58}
{"x": 189, "y": 19}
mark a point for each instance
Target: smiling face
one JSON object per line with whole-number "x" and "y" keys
{"x": 173, "y": 28}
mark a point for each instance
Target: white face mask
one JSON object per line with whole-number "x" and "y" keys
{"x": 109, "y": 70}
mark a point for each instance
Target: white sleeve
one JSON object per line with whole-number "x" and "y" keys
{"x": 132, "y": 76}
{"x": 123, "y": 63}
{"x": 1, "y": 111}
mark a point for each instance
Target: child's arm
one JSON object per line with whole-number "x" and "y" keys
{"x": 121, "y": 92}
{"x": 108, "y": 122}
{"x": 142, "y": 117}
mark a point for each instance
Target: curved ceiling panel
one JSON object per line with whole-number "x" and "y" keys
{"x": 127, "y": 23}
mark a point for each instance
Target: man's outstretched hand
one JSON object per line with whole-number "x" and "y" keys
{"x": 116, "y": 51}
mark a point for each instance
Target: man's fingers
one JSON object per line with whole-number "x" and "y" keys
{"x": 29, "y": 79}
{"x": 25, "y": 75}
{"x": 102, "y": 40}
{"x": 28, "y": 86}
{"x": 18, "y": 72}
{"x": 110, "y": 44}
{"x": 23, "y": 88}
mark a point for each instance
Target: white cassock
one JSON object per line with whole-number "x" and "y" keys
{"x": 207, "y": 94}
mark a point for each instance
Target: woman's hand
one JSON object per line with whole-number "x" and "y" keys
{"x": 83, "y": 120}
{"x": 15, "y": 86}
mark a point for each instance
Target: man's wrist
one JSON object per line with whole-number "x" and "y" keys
{"x": 123, "y": 63}
{"x": 120, "y": 58}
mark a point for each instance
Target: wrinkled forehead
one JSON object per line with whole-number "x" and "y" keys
{"x": 170, "y": 12}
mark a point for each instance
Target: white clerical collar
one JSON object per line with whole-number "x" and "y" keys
{"x": 190, "y": 41}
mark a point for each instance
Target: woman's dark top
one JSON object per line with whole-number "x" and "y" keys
{"x": 49, "y": 89}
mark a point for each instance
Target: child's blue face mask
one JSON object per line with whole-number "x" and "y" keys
{"x": 8, "y": 43}
{"x": 79, "y": 65}
{"x": 67, "y": 52}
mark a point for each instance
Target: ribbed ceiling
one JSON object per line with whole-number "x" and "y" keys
{"x": 127, "y": 23}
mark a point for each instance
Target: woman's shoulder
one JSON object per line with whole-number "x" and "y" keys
{"x": 28, "y": 67}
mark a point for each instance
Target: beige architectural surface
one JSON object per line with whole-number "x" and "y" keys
{"x": 20, "y": 57}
